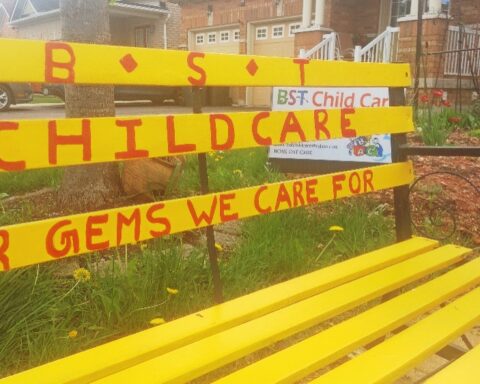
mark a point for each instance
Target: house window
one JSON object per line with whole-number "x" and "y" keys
{"x": 142, "y": 36}
{"x": 200, "y": 38}
{"x": 262, "y": 33}
{"x": 278, "y": 31}
{"x": 236, "y": 35}
{"x": 400, "y": 8}
{"x": 292, "y": 28}
{"x": 224, "y": 36}
{"x": 212, "y": 38}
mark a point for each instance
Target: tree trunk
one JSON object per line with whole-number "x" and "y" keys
{"x": 88, "y": 187}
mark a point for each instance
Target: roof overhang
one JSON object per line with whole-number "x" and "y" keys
{"x": 118, "y": 9}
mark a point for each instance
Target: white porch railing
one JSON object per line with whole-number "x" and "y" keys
{"x": 382, "y": 49}
{"x": 325, "y": 50}
{"x": 465, "y": 63}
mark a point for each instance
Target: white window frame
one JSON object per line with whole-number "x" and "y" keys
{"x": 282, "y": 26}
{"x": 258, "y": 29}
{"x": 234, "y": 34}
{"x": 228, "y": 36}
{"x": 214, "y": 34}
{"x": 293, "y": 27}
{"x": 202, "y": 35}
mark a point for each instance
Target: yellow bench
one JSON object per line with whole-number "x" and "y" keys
{"x": 356, "y": 303}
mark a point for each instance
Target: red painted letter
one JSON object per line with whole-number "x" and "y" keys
{"x": 132, "y": 152}
{"x": 214, "y": 133}
{"x": 302, "y": 63}
{"x": 320, "y": 126}
{"x": 54, "y": 140}
{"x": 259, "y": 209}
{"x": 368, "y": 181}
{"x": 91, "y": 232}
{"x": 172, "y": 146}
{"x": 204, "y": 216}
{"x": 51, "y": 64}
{"x": 191, "y": 63}
{"x": 10, "y": 165}
{"x": 225, "y": 206}
{"x": 69, "y": 240}
{"x": 256, "y": 120}
{"x": 124, "y": 220}
{"x": 310, "y": 189}
{"x": 292, "y": 125}
{"x": 4, "y": 244}
{"x": 158, "y": 220}
{"x": 283, "y": 197}
{"x": 336, "y": 182}
{"x": 346, "y": 132}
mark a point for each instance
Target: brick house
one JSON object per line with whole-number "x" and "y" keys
{"x": 141, "y": 23}
{"x": 362, "y": 30}
{"x": 6, "y": 9}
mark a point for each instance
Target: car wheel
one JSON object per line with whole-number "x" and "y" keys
{"x": 5, "y": 98}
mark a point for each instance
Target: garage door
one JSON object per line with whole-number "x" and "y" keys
{"x": 272, "y": 40}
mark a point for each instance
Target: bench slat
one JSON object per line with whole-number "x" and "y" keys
{"x": 318, "y": 351}
{"x": 27, "y": 61}
{"x": 213, "y": 352}
{"x": 31, "y": 141}
{"x": 125, "y": 352}
{"x": 465, "y": 370}
{"x": 393, "y": 358}
{"x": 46, "y": 237}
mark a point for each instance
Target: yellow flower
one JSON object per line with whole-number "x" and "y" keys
{"x": 157, "y": 321}
{"x": 81, "y": 275}
{"x": 238, "y": 172}
{"x": 336, "y": 228}
{"x": 218, "y": 247}
{"x": 143, "y": 246}
{"x": 72, "y": 334}
{"x": 172, "y": 291}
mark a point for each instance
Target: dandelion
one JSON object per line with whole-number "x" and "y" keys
{"x": 336, "y": 228}
{"x": 218, "y": 247}
{"x": 72, "y": 334}
{"x": 172, "y": 291}
{"x": 157, "y": 321}
{"x": 238, "y": 172}
{"x": 143, "y": 246}
{"x": 81, "y": 275}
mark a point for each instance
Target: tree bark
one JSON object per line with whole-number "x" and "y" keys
{"x": 88, "y": 187}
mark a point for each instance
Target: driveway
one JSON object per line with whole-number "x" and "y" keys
{"x": 46, "y": 111}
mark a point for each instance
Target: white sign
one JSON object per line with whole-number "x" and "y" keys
{"x": 374, "y": 149}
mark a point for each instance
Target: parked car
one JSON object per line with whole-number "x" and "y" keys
{"x": 155, "y": 94}
{"x": 14, "y": 93}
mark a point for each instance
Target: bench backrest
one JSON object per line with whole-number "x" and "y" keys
{"x": 30, "y": 144}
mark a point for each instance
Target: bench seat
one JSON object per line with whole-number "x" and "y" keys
{"x": 198, "y": 344}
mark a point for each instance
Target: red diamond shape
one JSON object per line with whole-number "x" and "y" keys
{"x": 129, "y": 63}
{"x": 252, "y": 67}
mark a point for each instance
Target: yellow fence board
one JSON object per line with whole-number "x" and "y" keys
{"x": 316, "y": 352}
{"x": 58, "y": 62}
{"x": 28, "y": 144}
{"x": 101, "y": 361}
{"x": 390, "y": 360}
{"x": 194, "y": 360}
{"x": 66, "y": 236}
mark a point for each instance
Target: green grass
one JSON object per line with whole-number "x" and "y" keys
{"x": 16, "y": 183}
{"x": 41, "y": 99}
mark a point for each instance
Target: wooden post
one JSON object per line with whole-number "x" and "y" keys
{"x": 203, "y": 172}
{"x": 400, "y": 194}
